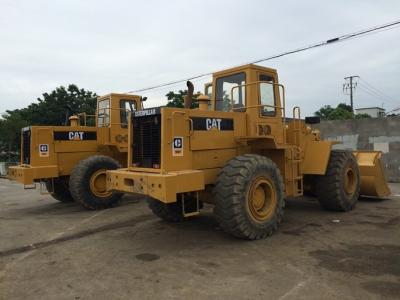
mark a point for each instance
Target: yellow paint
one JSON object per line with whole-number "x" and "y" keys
{"x": 373, "y": 181}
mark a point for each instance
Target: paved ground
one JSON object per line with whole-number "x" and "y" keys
{"x": 50, "y": 250}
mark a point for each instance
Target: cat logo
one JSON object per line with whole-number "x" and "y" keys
{"x": 213, "y": 124}
{"x": 75, "y": 135}
{"x": 44, "y": 150}
{"x": 177, "y": 146}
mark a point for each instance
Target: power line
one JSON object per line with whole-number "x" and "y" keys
{"x": 374, "y": 93}
{"x": 368, "y": 91}
{"x": 371, "y": 87}
{"x": 393, "y": 110}
{"x": 338, "y": 39}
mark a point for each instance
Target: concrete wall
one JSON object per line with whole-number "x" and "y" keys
{"x": 381, "y": 134}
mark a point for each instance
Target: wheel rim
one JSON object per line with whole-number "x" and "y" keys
{"x": 98, "y": 184}
{"x": 350, "y": 181}
{"x": 261, "y": 199}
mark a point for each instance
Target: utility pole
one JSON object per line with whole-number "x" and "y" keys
{"x": 350, "y": 85}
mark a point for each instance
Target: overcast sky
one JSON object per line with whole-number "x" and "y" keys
{"x": 119, "y": 46}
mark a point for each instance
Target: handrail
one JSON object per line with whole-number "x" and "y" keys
{"x": 296, "y": 109}
{"x": 259, "y": 105}
{"x": 103, "y": 123}
{"x": 297, "y": 124}
{"x": 183, "y": 113}
{"x": 258, "y": 82}
{"x": 282, "y": 107}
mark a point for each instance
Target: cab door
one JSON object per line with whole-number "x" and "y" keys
{"x": 270, "y": 112}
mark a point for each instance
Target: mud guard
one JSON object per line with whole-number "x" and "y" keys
{"x": 373, "y": 182}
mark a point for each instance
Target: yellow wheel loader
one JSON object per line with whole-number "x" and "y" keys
{"x": 71, "y": 161}
{"x": 241, "y": 153}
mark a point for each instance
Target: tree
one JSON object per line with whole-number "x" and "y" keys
{"x": 176, "y": 99}
{"x": 324, "y": 112}
{"x": 362, "y": 116}
{"x": 53, "y": 108}
{"x": 341, "y": 112}
{"x": 10, "y": 127}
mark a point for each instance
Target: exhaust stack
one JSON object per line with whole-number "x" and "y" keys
{"x": 187, "y": 100}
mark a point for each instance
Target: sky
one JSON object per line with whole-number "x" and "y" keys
{"x": 121, "y": 46}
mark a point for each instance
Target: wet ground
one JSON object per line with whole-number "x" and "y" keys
{"x": 52, "y": 250}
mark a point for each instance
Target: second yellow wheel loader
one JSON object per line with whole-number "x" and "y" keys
{"x": 71, "y": 161}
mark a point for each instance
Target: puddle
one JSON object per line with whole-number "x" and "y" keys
{"x": 147, "y": 256}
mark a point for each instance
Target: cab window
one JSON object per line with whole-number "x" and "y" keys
{"x": 103, "y": 113}
{"x": 267, "y": 96}
{"x": 224, "y": 86}
{"x": 126, "y": 106}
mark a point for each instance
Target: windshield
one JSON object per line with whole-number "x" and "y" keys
{"x": 225, "y": 93}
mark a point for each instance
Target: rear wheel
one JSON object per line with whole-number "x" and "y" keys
{"x": 172, "y": 212}
{"x": 249, "y": 197}
{"x": 339, "y": 189}
{"x": 88, "y": 182}
{"x": 58, "y": 188}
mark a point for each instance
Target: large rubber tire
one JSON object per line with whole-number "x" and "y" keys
{"x": 333, "y": 189}
{"x": 168, "y": 212}
{"x": 234, "y": 205}
{"x": 82, "y": 186}
{"x": 58, "y": 188}
{"x": 172, "y": 212}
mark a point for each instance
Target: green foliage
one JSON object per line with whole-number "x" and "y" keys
{"x": 53, "y": 108}
{"x": 176, "y": 99}
{"x": 341, "y": 112}
{"x": 362, "y": 116}
{"x": 344, "y": 106}
{"x": 324, "y": 112}
{"x": 10, "y": 127}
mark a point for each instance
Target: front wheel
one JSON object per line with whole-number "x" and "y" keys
{"x": 88, "y": 182}
{"x": 339, "y": 188}
{"x": 249, "y": 197}
{"x": 58, "y": 188}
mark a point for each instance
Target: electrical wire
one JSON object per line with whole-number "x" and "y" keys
{"x": 331, "y": 41}
{"x": 375, "y": 94}
{"x": 371, "y": 87}
{"x": 392, "y": 111}
{"x": 368, "y": 91}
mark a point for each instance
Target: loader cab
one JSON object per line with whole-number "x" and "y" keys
{"x": 254, "y": 91}
{"x": 112, "y": 115}
{"x": 113, "y": 109}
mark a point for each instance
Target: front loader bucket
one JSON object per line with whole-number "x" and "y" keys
{"x": 372, "y": 177}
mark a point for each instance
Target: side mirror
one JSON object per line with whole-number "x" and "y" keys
{"x": 313, "y": 120}
{"x": 143, "y": 99}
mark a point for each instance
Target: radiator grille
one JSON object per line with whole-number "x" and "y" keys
{"x": 26, "y": 146}
{"x": 146, "y": 141}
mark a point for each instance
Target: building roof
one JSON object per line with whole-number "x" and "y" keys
{"x": 373, "y": 107}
